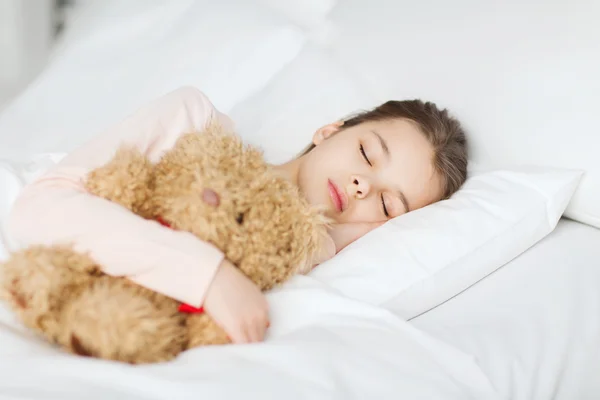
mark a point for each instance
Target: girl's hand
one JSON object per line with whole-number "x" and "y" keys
{"x": 237, "y": 305}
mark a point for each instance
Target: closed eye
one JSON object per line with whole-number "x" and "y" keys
{"x": 385, "y": 210}
{"x": 362, "y": 150}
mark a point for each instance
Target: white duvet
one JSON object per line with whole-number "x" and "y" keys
{"x": 320, "y": 346}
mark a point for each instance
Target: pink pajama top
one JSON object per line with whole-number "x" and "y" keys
{"x": 57, "y": 209}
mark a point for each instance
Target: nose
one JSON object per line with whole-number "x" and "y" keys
{"x": 359, "y": 187}
{"x": 210, "y": 197}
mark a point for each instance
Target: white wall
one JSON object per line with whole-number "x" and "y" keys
{"x": 26, "y": 28}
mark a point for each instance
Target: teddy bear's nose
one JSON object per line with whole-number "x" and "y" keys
{"x": 210, "y": 197}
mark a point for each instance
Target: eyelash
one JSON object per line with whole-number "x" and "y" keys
{"x": 385, "y": 211}
{"x": 362, "y": 150}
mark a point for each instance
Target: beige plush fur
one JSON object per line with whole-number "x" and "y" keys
{"x": 262, "y": 224}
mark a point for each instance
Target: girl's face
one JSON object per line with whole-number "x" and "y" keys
{"x": 370, "y": 172}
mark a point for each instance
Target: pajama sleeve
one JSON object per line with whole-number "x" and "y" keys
{"x": 57, "y": 209}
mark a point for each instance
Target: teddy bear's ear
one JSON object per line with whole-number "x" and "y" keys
{"x": 319, "y": 246}
{"x": 325, "y": 249}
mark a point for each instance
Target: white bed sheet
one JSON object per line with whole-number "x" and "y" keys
{"x": 534, "y": 325}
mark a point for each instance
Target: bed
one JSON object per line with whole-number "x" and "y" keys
{"x": 528, "y": 328}
{"x": 515, "y": 335}
{"x": 533, "y": 326}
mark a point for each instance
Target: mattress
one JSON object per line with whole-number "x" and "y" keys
{"x": 533, "y": 326}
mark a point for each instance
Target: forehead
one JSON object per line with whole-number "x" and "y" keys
{"x": 411, "y": 163}
{"x": 398, "y": 129}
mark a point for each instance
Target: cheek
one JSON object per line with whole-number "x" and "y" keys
{"x": 311, "y": 190}
{"x": 313, "y": 171}
{"x": 366, "y": 211}
{"x": 427, "y": 190}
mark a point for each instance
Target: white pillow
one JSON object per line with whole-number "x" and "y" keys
{"x": 421, "y": 259}
{"x": 522, "y": 75}
{"x": 427, "y": 256}
{"x": 305, "y": 13}
{"x": 311, "y": 91}
{"x": 118, "y": 55}
{"x": 10, "y": 185}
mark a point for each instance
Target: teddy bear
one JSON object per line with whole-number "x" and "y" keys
{"x": 210, "y": 184}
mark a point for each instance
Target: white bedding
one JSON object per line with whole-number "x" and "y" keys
{"x": 534, "y": 325}
{"x": 529, "y": 331}
{"x": 321, "y": 346}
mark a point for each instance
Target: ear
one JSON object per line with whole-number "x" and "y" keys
{"x": 326, "y": 132}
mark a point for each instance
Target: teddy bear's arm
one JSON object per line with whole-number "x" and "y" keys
{"x": 126, "y": 179}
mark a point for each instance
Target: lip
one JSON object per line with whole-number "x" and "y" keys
{"x": 337, "y": 196}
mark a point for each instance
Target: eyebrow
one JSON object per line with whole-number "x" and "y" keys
{"x": 386, "y": 150}
{"x": 382, "y": 142}
{"x": 404, "y": 200}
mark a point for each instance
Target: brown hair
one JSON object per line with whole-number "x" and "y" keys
{"x": 444, "y": 132}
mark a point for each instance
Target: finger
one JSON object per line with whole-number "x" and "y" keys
{"x": 262, "y": 323}
{"x": 259, "y": 331}
{"x": 240, "y": 335}
{"x": 252, "y": 332}
{"x": 256, "y": 330}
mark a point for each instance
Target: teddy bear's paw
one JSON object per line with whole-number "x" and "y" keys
{"x": 77, "y": 262}
{"x": 113, "y": 319}
{"x": 37, "y": 279}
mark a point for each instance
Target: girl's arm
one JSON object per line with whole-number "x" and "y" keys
{"x": 57, "y": 209}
